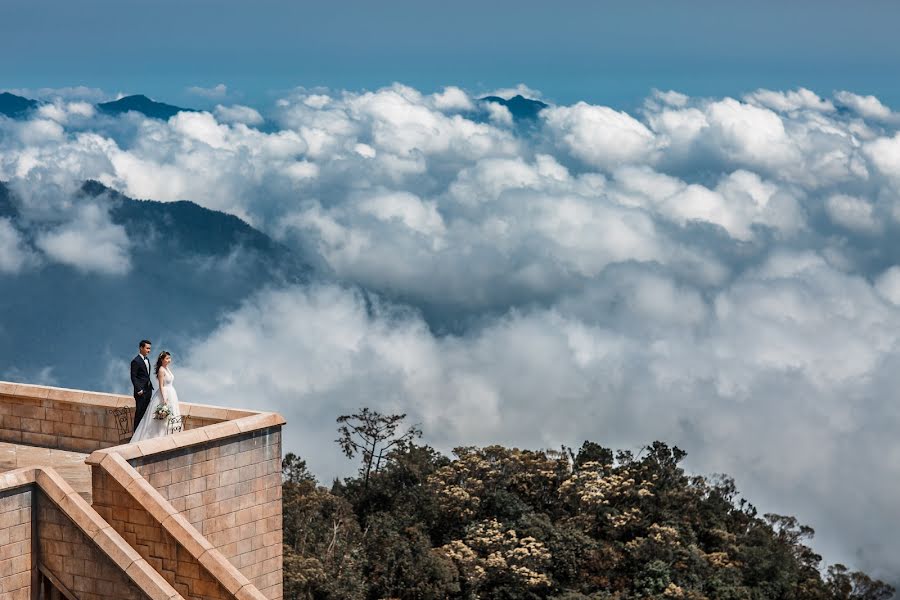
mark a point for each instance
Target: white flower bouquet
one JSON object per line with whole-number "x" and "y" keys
{"x": 162, "y": 411}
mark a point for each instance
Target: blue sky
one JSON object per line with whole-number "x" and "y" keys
{"x": 602, "y": 51}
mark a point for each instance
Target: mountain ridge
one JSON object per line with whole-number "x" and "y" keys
{"x": 14, "y": 106}
{"x": 520, "y": 107}
{"x": 142, "y": 104}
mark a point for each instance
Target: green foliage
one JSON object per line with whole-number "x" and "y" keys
{"x": 496, "y": 523}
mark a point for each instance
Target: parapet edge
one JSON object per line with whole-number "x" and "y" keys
{"x": 109, "y": 400}
{"x": 190, "y": 437}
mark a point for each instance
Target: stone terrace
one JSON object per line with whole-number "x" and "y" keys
{"x": 192, "y": 515}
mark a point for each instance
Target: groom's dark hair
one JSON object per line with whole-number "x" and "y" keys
{"x": 145, "y": 343}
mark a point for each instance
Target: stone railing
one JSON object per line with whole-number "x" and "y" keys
{"x": 81, "y": 421}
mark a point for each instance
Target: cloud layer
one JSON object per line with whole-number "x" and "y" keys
{"x": 720, "y": 273}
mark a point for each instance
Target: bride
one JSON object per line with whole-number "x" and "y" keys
{"x": 155, "y": 422}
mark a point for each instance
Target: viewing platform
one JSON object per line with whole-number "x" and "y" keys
{"x": 85, "y": 515}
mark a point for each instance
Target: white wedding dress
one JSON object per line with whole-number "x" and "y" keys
{"x": 149, "y": 427}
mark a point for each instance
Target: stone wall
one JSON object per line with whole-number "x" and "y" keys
{"x": 229, "y": 489}
{"x": 15, "y": 543}
{"x": 61, "y": 419}
{"x": 81, "y": 421}
{"x": 74, "y": 561}
{"x": 152, "y": 541}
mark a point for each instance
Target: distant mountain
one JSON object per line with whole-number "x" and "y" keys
{"x": 520, "y": 107}
{"x": 7, "y": 208}
{"x": 189, "y": 266}
{"x": 15, "y": 106}
{"x": 142, "y": 104}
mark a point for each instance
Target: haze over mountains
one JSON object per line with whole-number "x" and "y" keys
{"x": 15, "y": 106}
{"x": 185, "y": 267}
{"x": 11, "y": 105}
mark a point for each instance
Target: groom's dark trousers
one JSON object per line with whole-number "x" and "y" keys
{"x": 140, "y": 379}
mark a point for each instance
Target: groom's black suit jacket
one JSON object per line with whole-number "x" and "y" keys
{"x": 140, "y": 379}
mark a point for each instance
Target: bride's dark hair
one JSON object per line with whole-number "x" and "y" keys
{"x": 160, "y": 359}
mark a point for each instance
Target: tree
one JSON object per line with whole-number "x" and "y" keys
{"x": 507, "y": 524}
{"x": 294, "y": 471}
{"x": 372, "y": 435}
{"x": 845, "y": 585}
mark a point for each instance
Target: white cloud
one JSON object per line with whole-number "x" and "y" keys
{"x": 884, "y": 152}
{"x": 14, "y": 254}
{"x": 406, "y": 208}
{"x": 217, "y": 91}
{"x": 851, "y": 212}
{"x": 499, "y": 114}
{"x": 777, "y": 378}
{"x": 89, "y": 243}
{"x": 748, "y": 134}
{"x": 237, "y": 113}
{"x": 869, "y": 107}
{"x": 671, "y": 97}
{"x": 888, "y": 285}
{"x": 519, "y": 90}
{"x": 800, "y": 99}
{"x": 452, "y": 99}
{"x": 599, "y": 135}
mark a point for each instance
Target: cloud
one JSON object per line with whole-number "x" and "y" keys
{"x": 89, "y": 243}
{"x": 868, "y": 107}
{"x": 852, "y": 213}
{"x": 519, "y": 90}
{"x": 238, "y": 114}
{"x": 779, "y": 378}
{"x": 888, "y": 285}
{"x": 452, "y": 99}
{"x": 794, "y": 100}
{"x": 720, "y": 273}
{"x": 14, "y": 253}
{"x": 217, "y": 91}
{"x": 600, "y": 136}
{"x": 884, "y": 153}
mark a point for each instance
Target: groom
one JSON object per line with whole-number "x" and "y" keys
{"x": 140, "y": 379}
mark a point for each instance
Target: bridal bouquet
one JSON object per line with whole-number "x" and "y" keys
{"x": 162, "y": 411}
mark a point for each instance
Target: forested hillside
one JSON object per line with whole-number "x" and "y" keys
{"x": 501, "y": 523}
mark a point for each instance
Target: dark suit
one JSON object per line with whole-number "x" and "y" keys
{"x": 140, "y": 379}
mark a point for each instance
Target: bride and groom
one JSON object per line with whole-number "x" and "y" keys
{"x": 153, "y": 409}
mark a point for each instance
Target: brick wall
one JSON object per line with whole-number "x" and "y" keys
{"x": 230, "y": 491}
{"x": 75, "y": 561}
{"x": 56, "y": 423}
{"x": 15, "y": 543}
{"x": 156, "y": 545}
